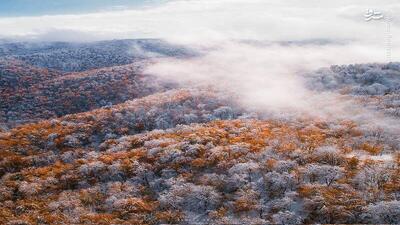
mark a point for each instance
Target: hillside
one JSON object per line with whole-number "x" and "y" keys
{"x": 38, "y": 80}
{"x": 89, "y": 136}
{"x": 238, "y": 171}
{"x": 75, "y": 57}
{"x": 67, "y": 93}
{"x": 375, "y": 85}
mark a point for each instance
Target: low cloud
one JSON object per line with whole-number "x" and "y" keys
{"x": 210, "y": 20}
{"x": 271, "y": 78}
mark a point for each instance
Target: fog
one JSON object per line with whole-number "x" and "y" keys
{"x": 271, "y": 78}
{"x": 210, "y": 20}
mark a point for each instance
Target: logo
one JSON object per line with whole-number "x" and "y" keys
{"x": 373, "y": 15}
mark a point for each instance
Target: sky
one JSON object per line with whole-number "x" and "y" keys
{"x": 10, "y": 8}
{"x": 274, "y": 20}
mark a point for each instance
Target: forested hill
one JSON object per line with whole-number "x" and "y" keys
{"x": 87, "y": 136}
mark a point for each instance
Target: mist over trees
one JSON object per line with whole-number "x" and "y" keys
{"x": 376, "y": 85}
{"x": 95, "y": 140}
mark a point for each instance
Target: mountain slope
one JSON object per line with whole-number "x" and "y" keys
{"x": 61, "y": 94}
{"x": 90, "y": 129}
{"x": 223, "y": 172}
{"x": 95, "y": 140}
{"x": 75, "y": 57}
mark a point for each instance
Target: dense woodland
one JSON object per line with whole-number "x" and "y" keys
{"x": 77, "y": 57}
{"x": 54, "y": 94}
{"x": 113, "y": 145}
{"x": 375, "y": 85}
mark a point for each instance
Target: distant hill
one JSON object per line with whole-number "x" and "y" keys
{"x": 374, "y": 85}
{"x": 29, "y": 93}
{"x": 47, "y": 80}
{"x": 74, "y": 57}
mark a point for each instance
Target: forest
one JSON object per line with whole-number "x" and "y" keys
{"x": 88, "y": 136}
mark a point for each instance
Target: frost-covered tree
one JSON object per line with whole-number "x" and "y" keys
{"x": 383, "y": 212}
{"x": 324, "y": 174}
{"x": 286, "y": 218}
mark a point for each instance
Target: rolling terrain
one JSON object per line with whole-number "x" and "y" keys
{"x": 89, "y": 136}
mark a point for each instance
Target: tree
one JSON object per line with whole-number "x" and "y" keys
{"x": 277, "y": 184}
{"x": 322, "y": 173}
{"x": 190, "y": 197}
{"x": 286, "y": 217}
{"x": 382, "y": 213}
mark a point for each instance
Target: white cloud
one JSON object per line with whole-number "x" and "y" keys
{"x": 271, "y": 78}
{"x": 217, "y": 19}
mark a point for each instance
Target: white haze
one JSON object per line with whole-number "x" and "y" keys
{"x": 205, "y": 20}
{"x": 270, "y": 78}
